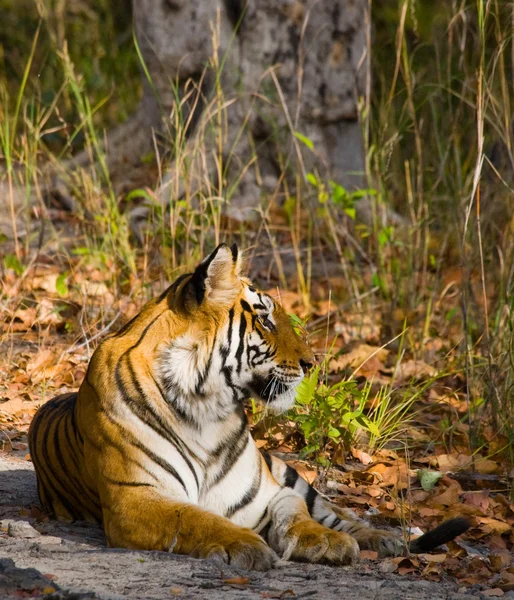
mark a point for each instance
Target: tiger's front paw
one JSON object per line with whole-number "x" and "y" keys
{"x": 247, "y": 551}
{"x": 308, "y": 541}
{"x": 381, "y": 541}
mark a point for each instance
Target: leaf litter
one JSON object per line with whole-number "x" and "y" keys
{"x": 417, "y": 480}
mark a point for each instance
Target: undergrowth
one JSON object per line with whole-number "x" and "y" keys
{"x": 438, "y": 133}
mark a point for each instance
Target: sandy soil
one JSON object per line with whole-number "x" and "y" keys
{"x": 73, "y": 559}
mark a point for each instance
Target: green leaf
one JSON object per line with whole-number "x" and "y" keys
{"x": 61, "y": 284}
{"x": 370, "y": 426}
{"x": 334, "y": 433}
{"x": 12, "y": 262}
{"x": 140, "y": 193}
{"x": 311, "y": 178}
{"x": 81, "y": 251}
{"x": 304, "y": 139}
{"x": 306, "y": 389}
{"x": 428, "y": 478}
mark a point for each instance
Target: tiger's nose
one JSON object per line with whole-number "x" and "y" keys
{"x": 305, "y": 365}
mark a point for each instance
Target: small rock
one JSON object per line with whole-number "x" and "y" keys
{"x": 4, "y": 524}
{"x": 49, "y": 539}
{"x": 21, "y": 529}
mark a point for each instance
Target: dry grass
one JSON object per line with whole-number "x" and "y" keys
{"x": 439, "y": 150}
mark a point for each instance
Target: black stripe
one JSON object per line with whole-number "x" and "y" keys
{"x": 312, "y": 494}
{"x": 263, "y": 517}
{"x": 233, "y": 439}
{"x": 203, "y": 376}
{"x": 231, "y": 458}
{"x": 179, "y": 441}
{"x": 128, "y": 483}
{"x": 230, "y": 324}
{"x": 267, "y": 460}
{"x": 247, "y": 498}
{"x": 240, "y": 348}
{"x": 73, "y": 418}
{"x": 245, "y": 306}
{"x": 291, "y": 477}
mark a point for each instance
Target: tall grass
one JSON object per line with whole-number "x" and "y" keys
{"x": 439, "y": 151}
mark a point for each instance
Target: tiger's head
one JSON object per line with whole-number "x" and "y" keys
{"x": 234, "y": 343}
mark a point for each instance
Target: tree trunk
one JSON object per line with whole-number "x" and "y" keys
{"x": 255, "y": 73}
{"x": 227, "y": 85}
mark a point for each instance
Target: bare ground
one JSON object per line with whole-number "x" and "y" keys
{"x": 80, "y": 566}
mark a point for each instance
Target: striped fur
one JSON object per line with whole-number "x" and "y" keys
{"x": 156, "y": 444}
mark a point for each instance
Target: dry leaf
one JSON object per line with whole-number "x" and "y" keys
{"x": 478, "y": 499}
{"x": 303, "y": 470}
{"x": 362, "y": 456}
{"x": 237, "y": 581}
{"x": 493, "y": 593}
{"x": 448, "y": 498}
{"x": 453, "y": 462}
{"x": 433, "y": 558}
{"x": 500, "y": 560}
{"x": 495, "y": 525}
{"x": 484, "y": 466}
{"x": 413, "y": 370}
{"x": 370, "y": 358}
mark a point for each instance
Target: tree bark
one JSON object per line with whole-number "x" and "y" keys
{"x": 226, "y": 86}
{"x": 263, "y": 70}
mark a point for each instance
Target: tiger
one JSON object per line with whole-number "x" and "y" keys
{"x": 156, "y": 444}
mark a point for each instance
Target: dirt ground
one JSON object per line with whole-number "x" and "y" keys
{"x": 62, "y": 560}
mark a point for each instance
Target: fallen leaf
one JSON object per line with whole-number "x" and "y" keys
{"x": 413, "y": 370}
{"x": 237, "y": 581}
{"x": 448, "y": 498}
{"x": 453, "y": 462}
{"x": 428, "y": 478}
{"x": 495, "y": 525}
{"x": 493, "y": 592}
{"x": 369, "y": 555}
{"x": 303, "y": 470}
{"x": 429, "y": 512}
{"x": 387, "y": 566}
{"x": 362, "y": 456}
{"x": 500, "y": 560}
{"x": 433, "y": 558}
{"x": 363, "y": 357}
{"x": 485, "y": 466}
{"x": 479, "y": 499}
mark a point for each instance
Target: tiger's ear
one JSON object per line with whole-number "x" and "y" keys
{"x": 217, "y": 279}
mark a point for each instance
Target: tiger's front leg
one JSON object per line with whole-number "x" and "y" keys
{"x": 142, "y": 519}
{"x": 295, "y": 535}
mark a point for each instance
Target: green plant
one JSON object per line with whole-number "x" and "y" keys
{"x": 330, "y": 414}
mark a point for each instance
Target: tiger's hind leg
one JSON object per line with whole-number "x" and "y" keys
{"x": 57, "y": 452}
{"x": 140, "y": 518}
